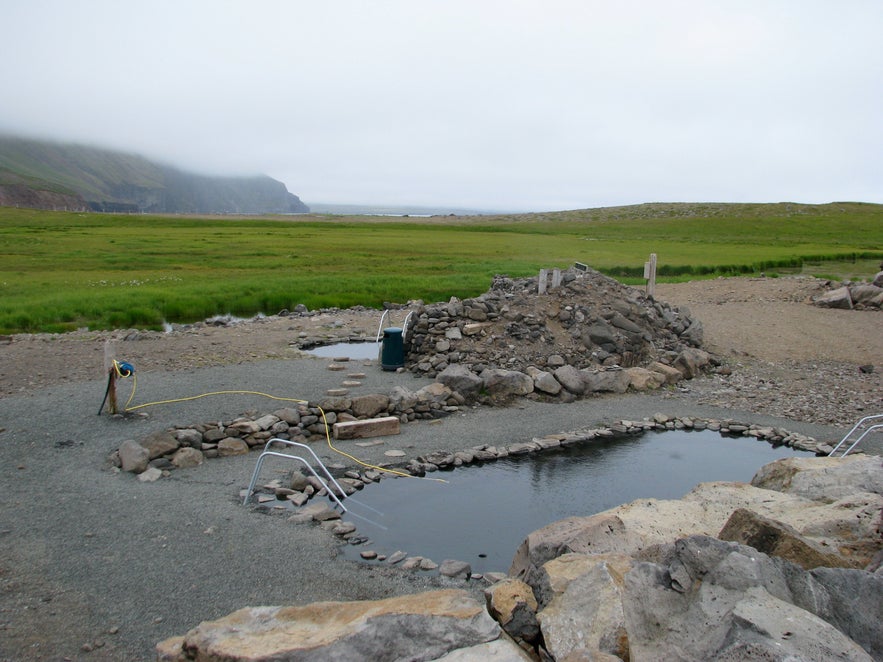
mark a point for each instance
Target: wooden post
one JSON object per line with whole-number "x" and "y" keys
{"x": 110, "y": 369}
{"x": 650, "y": 274}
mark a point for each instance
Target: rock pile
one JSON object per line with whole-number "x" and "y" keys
{"x": 588, "y": 321}
{"x": 589, "y": 334}
{"x": 854, "y": 295}
{"x": 732, "y": 571}
{"x": 190, "y": 445}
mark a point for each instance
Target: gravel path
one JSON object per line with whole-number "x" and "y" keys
{"x": 96, "y": 565}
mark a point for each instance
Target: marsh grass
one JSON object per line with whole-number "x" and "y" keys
{"x": 63, "y": 271}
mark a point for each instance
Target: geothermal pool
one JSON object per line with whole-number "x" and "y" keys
{"x": 480, "y": 514}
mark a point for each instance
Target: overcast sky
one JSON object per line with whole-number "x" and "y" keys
{"x": 516, "y": 105}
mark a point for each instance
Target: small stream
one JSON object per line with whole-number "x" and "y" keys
{"x": 481, "y": 514}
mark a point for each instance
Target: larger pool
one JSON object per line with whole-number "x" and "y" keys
{"x": 480, "y": 514}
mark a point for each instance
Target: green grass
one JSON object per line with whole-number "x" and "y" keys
{"x": 61, "y": 271}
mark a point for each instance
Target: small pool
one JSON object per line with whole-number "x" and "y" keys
{"x": 355, "y": 351}
{"x": 481, "y": 514}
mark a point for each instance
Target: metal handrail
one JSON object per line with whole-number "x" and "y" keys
{"x": 862, "y": 436}
{"x": 287, "y": 442}
{"x": 404, "y": 324}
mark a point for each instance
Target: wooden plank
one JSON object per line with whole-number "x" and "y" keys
{"x": 369, "y": 427}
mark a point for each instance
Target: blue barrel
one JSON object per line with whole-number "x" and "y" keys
{"x": 392, "y": 349}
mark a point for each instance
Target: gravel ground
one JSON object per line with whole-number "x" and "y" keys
{"x": 95, "y": 565}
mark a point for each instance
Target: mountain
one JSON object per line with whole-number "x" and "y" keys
{"x": 48, "y": 175}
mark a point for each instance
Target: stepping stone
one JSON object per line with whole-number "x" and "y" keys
{"x": 394, "y": 453}
{"x": 336, "y": 391}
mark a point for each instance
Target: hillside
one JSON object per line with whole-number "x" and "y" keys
{"x": 46, "y": 175}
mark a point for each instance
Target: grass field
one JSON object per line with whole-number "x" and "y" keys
{"x": 62, "y": 271}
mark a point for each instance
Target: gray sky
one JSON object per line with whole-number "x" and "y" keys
{"x": 518, "y": 105}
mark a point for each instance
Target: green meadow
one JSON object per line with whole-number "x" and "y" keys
{"x": 63, "y": 270}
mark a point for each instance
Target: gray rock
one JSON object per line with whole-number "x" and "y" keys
{"x": 452, "y": 568}
{"x": 694, "y": 333}
{"x": 189, "y": 437}
{"x": 150, "y": 475}
{"x": 571, "y": 379}
{"x": 266, "y": 422}
{"x": 187, "y": 457}
{"x": 839, "y": 298}
{"x": 297, "y": 481}
{"x": 865, "y": 294}
{"x": 288, "y": 414}
{"x": 133, "y": 456}
{"x": 587, "y": 615}
{"x": 691, "y": 361}
{"x": 461, "y": 379}
{"x": 610, "y": 381}
{"x": 424, "y": 626}
{"x": 823, "y": 479}
{"x": 543, "y": 381}
{"x": 397, "y": 557}
{"x": 370, "y": 405}
{"x": 232, "y": 446}
{"x": 742, "y": 598}
{"x": 501, "y": 383}
{"x": 160, "y": 443}
{"x": 601, "y": 334}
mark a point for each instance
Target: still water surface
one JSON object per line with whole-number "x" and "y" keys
{"x": 352, "y": 350}
{"x": 482, "y": 513}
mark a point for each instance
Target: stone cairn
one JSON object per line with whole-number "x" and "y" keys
{"x": 585, "y": 334}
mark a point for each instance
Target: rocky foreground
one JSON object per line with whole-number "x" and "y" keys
{"x": 786, "y": 568}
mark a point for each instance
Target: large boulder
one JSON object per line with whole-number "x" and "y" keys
{"x": 461, "y": 379}
{"x": 570, "y": 378}
{"x": 422, "y": 626}
{"x": 504, "y": 383}
{"x": 370, "y": 405}
{"x": 723, "y": 601}
{"x": 544, "y": 382}
{"x": 823, "y": 478}
{"x": 838, "y": 298}
{"x": 846, "y": 526}
{"x": 609, "y": 381}
{"x": 691, "y": 361}
{"x": 588, "y": 614}
{"x": 865, "y": 294}
{"x": 133, "y": 456}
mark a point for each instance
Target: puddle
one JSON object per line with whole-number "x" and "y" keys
{"x": 355, "y": 351}
{"x": 482, "y": 513}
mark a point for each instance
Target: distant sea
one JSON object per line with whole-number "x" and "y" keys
{"x": 393, "y": 210}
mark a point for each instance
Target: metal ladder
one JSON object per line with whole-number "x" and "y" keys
{"x": 858, "y": 427}
{"x": 383, "y": 319}
{"x": 270, "y": 453}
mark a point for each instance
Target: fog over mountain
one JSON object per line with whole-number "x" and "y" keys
{"x": 49, "y": 175}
